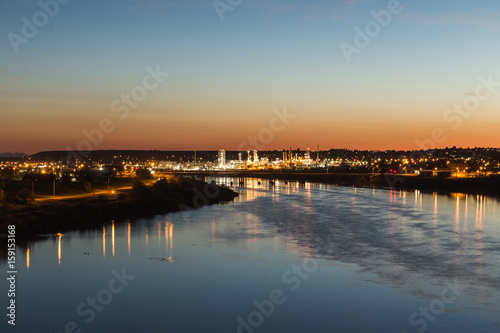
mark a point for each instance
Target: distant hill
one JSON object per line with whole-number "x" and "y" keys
{"x": 117, "y": 156}
{"x": 11, "y": 155}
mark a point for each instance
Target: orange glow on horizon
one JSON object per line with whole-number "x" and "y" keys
{"x": 351, "y": 129}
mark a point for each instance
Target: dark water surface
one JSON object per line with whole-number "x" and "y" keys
{"x": 315, "y": 258}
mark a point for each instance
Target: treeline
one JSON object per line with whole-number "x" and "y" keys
{"x": 179, "y": 193}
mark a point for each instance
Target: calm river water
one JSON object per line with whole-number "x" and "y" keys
{"x": 290, "y": 258}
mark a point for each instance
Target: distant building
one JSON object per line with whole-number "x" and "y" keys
{"x": 222, "y": 158}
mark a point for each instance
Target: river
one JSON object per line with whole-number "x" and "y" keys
{"x": 282, "y": 258}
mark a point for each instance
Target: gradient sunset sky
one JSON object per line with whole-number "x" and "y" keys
{"x": 227, "y": 76}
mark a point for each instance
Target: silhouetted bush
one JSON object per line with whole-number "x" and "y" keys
{"x": 24, "y": 196}
{"x": 87, "y": 186}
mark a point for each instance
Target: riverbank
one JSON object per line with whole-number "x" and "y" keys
{"x": 53, "y": 216}
{"x": 489, "y": 186}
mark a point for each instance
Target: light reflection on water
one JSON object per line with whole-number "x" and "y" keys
{"x": 28, "y": 259}
{"x": 397, "y": 246}
{"x": 59, "y": 251}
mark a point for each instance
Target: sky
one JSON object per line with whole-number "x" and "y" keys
{"x": 248, "y": 74}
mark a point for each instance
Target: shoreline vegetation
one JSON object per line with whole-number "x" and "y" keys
{"x": 68, "y": 213}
